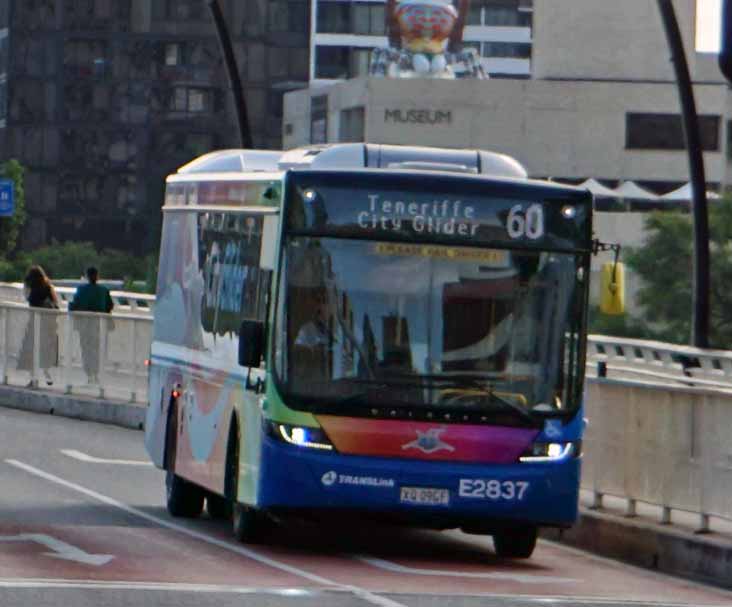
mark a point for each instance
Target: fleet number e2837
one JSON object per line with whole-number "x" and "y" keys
{"x": 493, "y": 489}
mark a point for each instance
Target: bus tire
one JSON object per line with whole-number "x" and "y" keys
{"x": 248, "y": 524}
{"x": 218, "y": 507}
{"x": 183, "y": 499}
{"x": 515, "y": 543}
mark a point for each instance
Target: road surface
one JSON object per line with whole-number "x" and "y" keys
{"x": 83, "y": 522}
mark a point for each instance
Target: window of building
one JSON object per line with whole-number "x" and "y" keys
{"x": 369, "y": 19}
{"x": 341, "y": 62}
{"x": 173, "y": 54}
{"x": 84, "y": 58}
{"x": 500, "y": 13}
{"x": 288, "y": 16}
{"x": 362, "y": 18}
{"x": 352, "y": 125}
{"x": 334, "y": 17}
{"x": 191, "y": 99}
{"x": 178, "y": 10}
{"x": 360, "y": 62}
{"x": 666, "y": 132}
{"x": 99, "y": 14}
{"x": 319, "y": 119}
{"x": 506, "y": 50}
{"x": 332, "y": 62}
{"x": 4, "y": 12}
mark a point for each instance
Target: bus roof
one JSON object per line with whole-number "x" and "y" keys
{"x": 355, "y": 156}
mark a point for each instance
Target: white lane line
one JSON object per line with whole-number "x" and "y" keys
{"x": 47, "y": 583}
{"x": 241, "y": 550}
{"x": 164, "y": 586}
{"x": 511, "y": 577}
{"x": 83, "y": 457}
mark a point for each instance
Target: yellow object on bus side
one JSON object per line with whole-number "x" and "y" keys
{"x": 612, "y": 289}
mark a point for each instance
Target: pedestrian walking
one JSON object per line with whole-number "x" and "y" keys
{"x": 90, "y": 297}
{"x": 39, "y": 293}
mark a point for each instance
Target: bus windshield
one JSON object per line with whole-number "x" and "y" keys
{"x": 363, "y": 324}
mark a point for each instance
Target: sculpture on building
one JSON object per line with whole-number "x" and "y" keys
{"x": 426, "y": 41}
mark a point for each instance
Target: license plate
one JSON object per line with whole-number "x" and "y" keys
{"x": 425, "y": 496}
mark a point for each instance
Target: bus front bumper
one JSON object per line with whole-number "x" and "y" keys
{"x": 473, "y": 496}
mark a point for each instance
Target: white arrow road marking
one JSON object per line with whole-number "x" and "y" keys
{"x": 510, "y": 577}
{"x": 83, "y": 457}
{"x": 61, "y": 550}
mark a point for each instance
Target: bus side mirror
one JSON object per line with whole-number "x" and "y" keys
{"x": 612, "y": 289}
{"x": 251, "y": 343}
{"x": 725, "y": 55}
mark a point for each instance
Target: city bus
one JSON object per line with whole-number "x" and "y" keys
{"x": 373, "y": 331}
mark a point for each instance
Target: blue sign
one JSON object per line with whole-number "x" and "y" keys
{"x": 7, "y": 201}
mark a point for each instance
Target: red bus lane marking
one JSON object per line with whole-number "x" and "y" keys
{"x": 571, "y": 573}
{"x": 143, "y": 554}
{"x": 226, "y": 545}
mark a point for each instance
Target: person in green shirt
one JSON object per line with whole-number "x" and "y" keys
{"x": 90, "y": 297}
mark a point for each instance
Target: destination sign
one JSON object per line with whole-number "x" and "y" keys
{"x": 437, "y": 208}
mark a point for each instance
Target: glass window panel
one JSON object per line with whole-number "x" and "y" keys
{"x": 334, "y": 17}
{"x": 665, "y": 132}
{"x": 361, "y": 18}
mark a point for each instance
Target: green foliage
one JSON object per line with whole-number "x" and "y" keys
{"x": 70, "y": 260}
{"x": 10, "y": 226}
{"x": 665, "y": 266}
{"x": 64, "y": 260}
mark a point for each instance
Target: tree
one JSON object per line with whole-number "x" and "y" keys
{"x": 665, "y": 267}
{"x": 10, "y": 227}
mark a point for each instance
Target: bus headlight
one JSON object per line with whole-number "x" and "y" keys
{"x": 551, "y": 452}
{"x": 300, "y": 436}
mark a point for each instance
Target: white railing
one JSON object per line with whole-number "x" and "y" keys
{"x": 125, "y": 302}
{"x": 660, "y": 416}
{"x": 84, "y": 353}
{"x": 658, "y": 362}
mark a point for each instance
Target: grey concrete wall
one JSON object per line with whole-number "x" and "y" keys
{"x": 619, "y": 40}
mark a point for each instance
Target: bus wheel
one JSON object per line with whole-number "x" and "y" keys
{"x": 218, "y": 507}
{"x": 516, "y": 543}
{"x": 249, "y": 524}
{"x": 182, "y": 498}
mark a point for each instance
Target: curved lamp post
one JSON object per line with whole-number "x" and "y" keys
{"x": 700, "y": 282}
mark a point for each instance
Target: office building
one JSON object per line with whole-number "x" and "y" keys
{"x": 101, "y": 99}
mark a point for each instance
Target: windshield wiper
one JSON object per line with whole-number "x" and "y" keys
{"x": 480, "y": 384}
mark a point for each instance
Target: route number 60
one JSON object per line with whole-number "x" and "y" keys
{"x": 528, "y": 223}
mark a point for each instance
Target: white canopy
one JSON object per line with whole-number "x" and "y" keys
{"x": 632, "y": 191}
{"x": 597, "y": 188}
{"x": 686, "y": 193}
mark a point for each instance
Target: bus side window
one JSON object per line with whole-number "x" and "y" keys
{"x": 236, "y": 287}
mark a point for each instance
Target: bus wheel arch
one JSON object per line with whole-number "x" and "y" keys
{"x": 248, "y": 523}
{"x": 182, "y": 499}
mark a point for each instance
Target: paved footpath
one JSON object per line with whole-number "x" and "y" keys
{"x": 82, "y": 521}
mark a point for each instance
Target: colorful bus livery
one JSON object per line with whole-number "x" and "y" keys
{"x": 371, "y": 330}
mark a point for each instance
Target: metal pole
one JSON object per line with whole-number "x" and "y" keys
{"x": 700, "y": 282}
{"x": 227, "y": 49}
